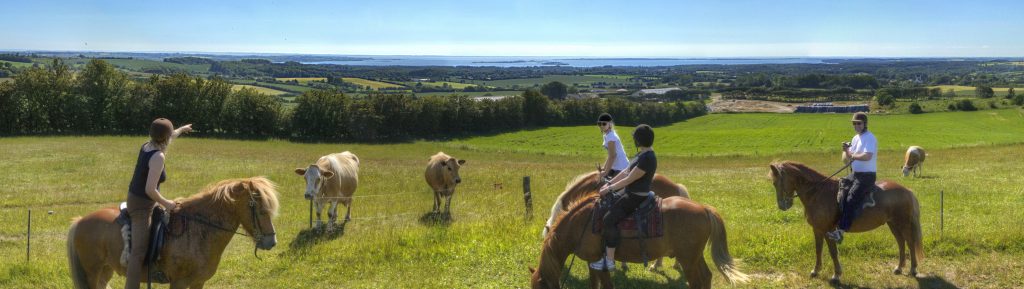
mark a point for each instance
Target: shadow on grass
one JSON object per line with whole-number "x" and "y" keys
{"x": 934, "y": 282}
{"x": 620, "y": 280}
{"x": 313, "y": 236}
{"x": 436, "y": 219}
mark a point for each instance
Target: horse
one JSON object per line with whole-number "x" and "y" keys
{"x": 688, "y": 228}
{"x": 895, "y": 205}
{"x": 210, "y": 218}
{"x": 587, "y": 184}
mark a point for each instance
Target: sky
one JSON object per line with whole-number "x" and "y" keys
{"x": 592, "y": 28}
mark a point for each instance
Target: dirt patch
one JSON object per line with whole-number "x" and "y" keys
{"x": 740, "y": 105}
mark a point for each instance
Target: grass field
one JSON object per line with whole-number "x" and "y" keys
{"x": 370, "y": 83}
{"x": 567, "y": 79}
{"x": 142, "y": 65}
{"x": 303, "y": 80}
{"x": 260, "y": 89}
{"x": 455, "y": 85}
{"x": 962, "y": 90}
{"x": 475, "y": 93}
{"x": 17, "y": 64}
{"x": 297, "y": 89}
{"x": 489, "y": 245}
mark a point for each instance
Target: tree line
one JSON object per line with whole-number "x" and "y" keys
{"x": 100, "y": 99}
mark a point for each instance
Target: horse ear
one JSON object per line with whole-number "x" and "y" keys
{"x": 775, "y": 169}
{"x": 300, "y": 171}
{"x": 462, "y": 162}
{"x": 328, "y": 174}
{"x": 531, "y": 270}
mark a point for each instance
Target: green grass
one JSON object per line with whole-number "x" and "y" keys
{"x": 370, "y": 83}
{"x": 17, "y": 64}
{"x": 260, "y": 89}
{"x": 278, "y": 86}
{"x": 567, "y": 79}
{"x": 455, "y": 85}
{"x": 762, "y": 134}
{"x": 141, "y": 65}
{"x": 489, "y": 245}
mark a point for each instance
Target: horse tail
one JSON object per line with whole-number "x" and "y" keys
{"x": 78, "y": 275}
{"x": 915, "y": 223}
{"x": 720, "y": 249}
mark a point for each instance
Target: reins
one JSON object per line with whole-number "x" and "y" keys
{"x": 257, "y": 237}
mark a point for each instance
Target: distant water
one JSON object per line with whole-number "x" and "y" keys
{"x": 512, "y": 61}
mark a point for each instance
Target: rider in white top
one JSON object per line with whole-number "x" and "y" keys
{"x": 616, "y": 160}
{"x": 863, "y": 152}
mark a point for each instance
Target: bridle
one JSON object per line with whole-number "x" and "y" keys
{"x": 812, "y": 186}
{"x": 258, "y": 233}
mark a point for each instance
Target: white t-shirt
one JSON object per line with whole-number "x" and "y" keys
{"x": 621, "y": 162}
{"x": 862, "y": 143}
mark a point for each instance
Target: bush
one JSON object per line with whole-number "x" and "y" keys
{"x": 915, "y": 108}
{"x": 1019, "y": 99}
{"x": 965, "y": 105}
{"x": 884, "y": 98}
{"x": 250, "y": 113}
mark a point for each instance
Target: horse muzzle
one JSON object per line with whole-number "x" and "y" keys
{"x": 785, "y": 205}
{"x": 267, "y": 242}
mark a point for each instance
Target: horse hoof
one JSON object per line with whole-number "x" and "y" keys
{"x": 898, "y": 271}
{"x": 834, "y": 280}
{"x": 913, "y": 273}
{"x": 814, "y": 274}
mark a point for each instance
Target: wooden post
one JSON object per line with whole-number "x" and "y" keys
{"x": 942, "y": 211}
{"x": 28, "y": 242}
{"x": 527, "y": 197}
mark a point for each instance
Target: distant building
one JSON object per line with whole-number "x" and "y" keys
{"x": 495, "y": 97}
{"x": 656, "y": 91}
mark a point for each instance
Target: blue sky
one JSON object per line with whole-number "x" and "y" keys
{"x": 523, "y": 28}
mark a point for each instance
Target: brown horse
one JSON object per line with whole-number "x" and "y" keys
{"x": 587, "y": 184}
{"x": 190, "y": 259}
{"x": 895, "y": 205}
{"x": 688, "y": 228}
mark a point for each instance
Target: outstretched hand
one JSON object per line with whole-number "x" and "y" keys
{"x": 185, "y": 128}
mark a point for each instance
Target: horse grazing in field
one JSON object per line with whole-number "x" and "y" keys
{"x": 332, "y": 178}
{"x": 913, "y": 160}
{"x": 587, "y": 184}
{"x": 190, "y": 257}
{"x": 442, "y": 176}
{"x": 895, "y": 205}
{"x": 688, "y": 228}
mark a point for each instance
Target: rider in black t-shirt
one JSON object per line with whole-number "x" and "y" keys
{"x": 636, "y": 180}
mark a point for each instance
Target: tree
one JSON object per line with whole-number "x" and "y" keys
{"x": 101, "y": 84}
{"x": 915, "y": 108}
{"x": 984, "y": 91}
{"x": 555, "y": 90}
{"x": 884, "y": 98}
{"x": 535, "y": 107}
{"x": 1010, "y": 94}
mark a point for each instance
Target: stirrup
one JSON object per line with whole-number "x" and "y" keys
{"x": 869, "y": 201}
{"x": 835, "y": 235}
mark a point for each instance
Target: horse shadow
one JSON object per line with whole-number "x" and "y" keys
{"x": 620, "y": 280}
{"x": 317, "y": 235}
{"x": 934, "y": 282}
{"x": 436, "y": 219}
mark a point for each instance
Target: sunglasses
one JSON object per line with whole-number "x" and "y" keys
{"x": 857, "y": 123}
{"x": 602, "y": 123}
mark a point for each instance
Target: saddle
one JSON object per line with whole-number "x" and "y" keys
{"x": 158, "y": 231}
{"x": 844, "y": 189}
{"x": 646, "y": 222}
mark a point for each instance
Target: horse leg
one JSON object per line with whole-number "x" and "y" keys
{"x": 913, "y": 242}
{"x": 198, "y": 285}
{"x": 601, "y": 279}
{"x": 819, "y": 238}
{"x": 901, "y": 243}
{"x": 102, "y": 276}
{"x": 834, "y": 252}
{"x": 698, "y": 275}
{"x": 179, "y": 284}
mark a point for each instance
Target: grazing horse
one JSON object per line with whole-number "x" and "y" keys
{"x": 587, "y": 184}
{"x": 332, "y": 178}
{"x": 913, "y": 160}
{"x": 688, "y": 228}
{"x": 187, "y": 259}
{"x": 895, "y": 205}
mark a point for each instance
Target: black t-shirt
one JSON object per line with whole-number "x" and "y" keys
{"x": 647, "y": 162}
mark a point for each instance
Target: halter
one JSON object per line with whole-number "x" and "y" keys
{"x": 257, "y": 235}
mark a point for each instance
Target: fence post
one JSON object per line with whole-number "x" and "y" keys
{"x": 28, "y": 242}
{"x": 527, "y": 197}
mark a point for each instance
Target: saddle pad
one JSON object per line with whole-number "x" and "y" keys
{"x": 650, "y": 223}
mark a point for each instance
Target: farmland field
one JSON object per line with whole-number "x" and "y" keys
{"x": 475, "y": 93}
{"x": 974, "y": 160}
{"x": 260, "y": 89}
{"x": 142, "y": 65}
{"x": 370, "y": 83}
{"x": 961, "y": 90}
{"x": 302, "y": 80}
{"x": 567, "y": 79}
{"x": 17, "y": 64}
{"x": 455, "y": 85}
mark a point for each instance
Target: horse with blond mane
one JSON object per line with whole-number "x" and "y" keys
{"x": 587, "y": 184}
{"x": 688, "y": 228}
{"x": 188, "y": 258}
{"x": 895, "y": 205}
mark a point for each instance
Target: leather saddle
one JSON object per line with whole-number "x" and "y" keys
{"x": 646, "y": 222}
{"x": 844, "y": 189}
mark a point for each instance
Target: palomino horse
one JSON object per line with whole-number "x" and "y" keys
{"x": 94, "y": 242}
{"x": 688, "y": 228}
{"x": 895, "y": 205}
{"x": 587, "y": 184}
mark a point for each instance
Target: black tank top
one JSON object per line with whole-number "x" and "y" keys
{"x": 648, "y": 162}
{"x": 138, "y": 185}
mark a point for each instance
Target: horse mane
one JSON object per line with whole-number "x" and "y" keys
{"x": 221, "y": 196}
{"x": 573, "y": 208}
{"x": 576, "y": 185}
{"x": 809, "y": 174}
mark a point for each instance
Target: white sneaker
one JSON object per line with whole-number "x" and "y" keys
{"x": 602, "y": 264}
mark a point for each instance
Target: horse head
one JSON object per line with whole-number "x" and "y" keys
{"x": 540, "y": 282}
{"x": 785, "y": 192}
{"x": 256, "y": 203}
